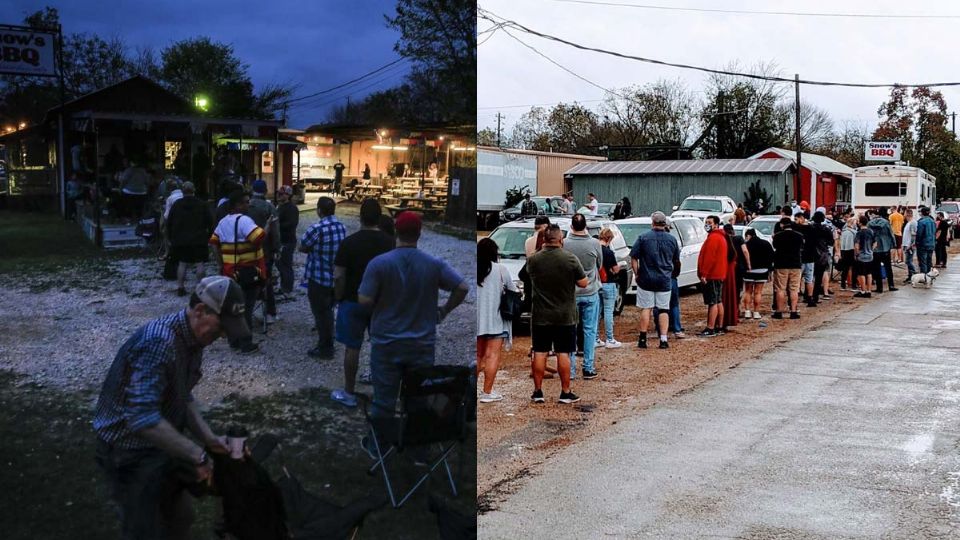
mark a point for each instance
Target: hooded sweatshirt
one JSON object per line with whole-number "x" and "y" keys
{"x": 712, "y": 263}
{"x": 883, "y": 233}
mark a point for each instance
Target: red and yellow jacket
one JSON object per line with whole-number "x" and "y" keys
{"x": 245, "y": 250}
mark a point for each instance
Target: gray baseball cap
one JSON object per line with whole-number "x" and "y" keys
{"x": 225, "y": 297}
{"x": 658, "y": 218}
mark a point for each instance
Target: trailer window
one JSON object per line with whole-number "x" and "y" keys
{"x": 885, "y": 189}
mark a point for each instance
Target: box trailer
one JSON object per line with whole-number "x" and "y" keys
{"x": 498, "y": 172}
{"x": 892, "y": 185}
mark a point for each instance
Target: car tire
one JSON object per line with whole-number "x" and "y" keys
{"x": 621, "y": 299}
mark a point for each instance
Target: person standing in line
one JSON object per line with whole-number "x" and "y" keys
{"x": 845, "y": 257}
{"x": 730, "y": 300}
{"x": 788, "y": 264}
{"x": 822, "y": 237}
{"x": 808, "y": 256}
{"x": 355, "y": 253}
{"x": 712, "y": 271}
{"x": 909, "y": 243}
{"x": 654, "y": 257}
{"x": 674, "y": 324}
{"x": 759, "y": 261}
{"x": 492, "y": 279}
{"x": 885, "y": 242}
{"x": 530, "y": 244}
{"x": 609, "y": 289}
{"x": 588, "y": 251}
{"x": 288, "y": 219}
{"x": 338, "y": 177}
{"x": 567, "y": 204}
{"x": 238, "y": 244}
{"x": 189, "y": 225}
{"x": 740, "y": 215}
{"x": 264, "y": 214}
{"x": 529, "y": 207}
{"x": 942, "y": 240}
{"x": 593, "y": 206}
{"x": 321, "y": 242}
{"x": 896, "y": 224}
{"x": 402, "y": 288}
{"x": 925, "y": 240}
{"x": 556, "y": 275}
{"x": 863, "y": 252}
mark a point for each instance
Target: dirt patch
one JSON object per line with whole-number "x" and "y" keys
{"x": 516, "y": 437}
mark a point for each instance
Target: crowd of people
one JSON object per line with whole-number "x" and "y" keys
{"x": 374, "y": 282}
{"x": 572, "y": 279}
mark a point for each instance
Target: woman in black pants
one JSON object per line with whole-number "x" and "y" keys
{"x": 943, "y": 240}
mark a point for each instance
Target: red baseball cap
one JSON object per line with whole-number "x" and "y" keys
{"x": 408, "y": 223}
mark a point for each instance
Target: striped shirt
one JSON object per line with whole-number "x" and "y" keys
{"x": 151, "y": 378}
{"x": 323, "y": 240}
{"x": 246, "y": 250}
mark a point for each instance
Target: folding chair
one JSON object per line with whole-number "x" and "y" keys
{"x": 431, "y": 414}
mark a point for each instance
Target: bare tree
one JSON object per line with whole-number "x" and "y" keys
{"x": 816, "y": 126}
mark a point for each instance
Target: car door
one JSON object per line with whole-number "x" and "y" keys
{"x": 691, "y": 240}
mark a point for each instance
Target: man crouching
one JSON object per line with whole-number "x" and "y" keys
{"x": 147, "y": 401}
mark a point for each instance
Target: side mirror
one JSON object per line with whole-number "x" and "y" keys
{"x": 675, "y": 207}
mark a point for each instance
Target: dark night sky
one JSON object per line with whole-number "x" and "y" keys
{"x": 315, "y": 44}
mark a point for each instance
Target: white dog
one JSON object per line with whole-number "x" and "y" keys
{"x": 925, "y": 280}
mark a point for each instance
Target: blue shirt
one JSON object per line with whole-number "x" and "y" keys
{"x": 404, "y": 285}
{"x": 655, "y": 252}
{"x": 151, "y": 378}
{"x": 323, "y": 239}
{"x": 926, "y": 233}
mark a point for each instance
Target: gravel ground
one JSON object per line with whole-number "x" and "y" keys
{"x": 62, "y": 330}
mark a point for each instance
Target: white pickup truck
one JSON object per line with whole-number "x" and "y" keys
{"x": 701, "y": 206}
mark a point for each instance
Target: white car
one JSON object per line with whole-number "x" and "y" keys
{"x": 689, "y": 233}
{"x": 510, "y": 238}
{"x": 763, "y": 225}
{"x": 701, "y": 206}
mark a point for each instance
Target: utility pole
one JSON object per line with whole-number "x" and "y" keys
{"x": 796, "y": 183}
{"x": 953, "y": 116}
{"x": 721, "y": 129}
{"x": 499, "y": 116}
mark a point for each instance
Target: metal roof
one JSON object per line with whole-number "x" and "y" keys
{"x": 539, "y": 153}
{"x": 815, "y": 162}
{"x": 697, "y": 166}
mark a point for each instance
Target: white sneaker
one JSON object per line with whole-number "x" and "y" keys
{"x": 613, "y": 344}
{"x": 600, "y": 343}
{"x": 756, "y": 315}
{"x": 747, "y": 314}
{"x": 490, "y": 398}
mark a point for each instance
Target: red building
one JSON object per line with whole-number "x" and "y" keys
{"x": 822, "y": 181}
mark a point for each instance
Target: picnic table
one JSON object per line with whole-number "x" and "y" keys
{"x": 361, "y": 192}
{"x": 424, "y": 205}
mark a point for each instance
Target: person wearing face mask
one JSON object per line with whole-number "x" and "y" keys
{"x": 712, "y": 271}
{"x": 147, "y": 402}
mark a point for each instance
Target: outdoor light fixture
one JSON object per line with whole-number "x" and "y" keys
{"x": 201, "y": 102}
{"x": 388, "y": 147}
{"x": 383, "y": 133}
{"x": 23, "y": 125}
{"x": 441, "y": 137}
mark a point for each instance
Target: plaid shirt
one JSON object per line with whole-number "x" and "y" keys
{"x": 323, "y": 240}
{"x": 151, "y": 379}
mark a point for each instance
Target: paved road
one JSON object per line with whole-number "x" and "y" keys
{"x": 852, "y": 431}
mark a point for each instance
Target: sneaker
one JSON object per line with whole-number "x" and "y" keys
{"x": 249, "y": 348}
{"x": 707, "y": 332}
{"x": 777, "y": 315}
{"x": 794, "y": 314}
{"x": 272, "y": 318}
{"x": 843, "y": 287}
{"x": 720, "y": 331}
{"x": 600, "y": 343}
{"x": 537, "y": 396}
{"x": 613, "y": 344}
{"x": 860, "y": 294}
{"x": 642, "y": 341}
{"x": 892, "y": 289}
{"x": 344, "y": 398}
{"x": 907, "y": 281}
{"x": 568, "y": 397}
{"x": 368, "y": 447}
{"x": 664, "y": 345}
{"x": 679, "y": 335}
{"x": 827, "y": 297}
{"x": 587, "y": 375}
{"x": 320, "y": 354}
{"x": 756, "y": 316}
{"x": 748, "y": 314}
{"x": 490, "y": 398}
{"x": 867, "y": 295}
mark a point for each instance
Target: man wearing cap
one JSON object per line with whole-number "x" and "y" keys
{"x": 189, "y": 225}
{"x": 264, "y": 214}
{"x": 321, "y": 243}
{"x": 147, "y": 402}
{"x": 288, "y": 219}
{"x": 401, "y": 287}
{"x": 654, "y": 257}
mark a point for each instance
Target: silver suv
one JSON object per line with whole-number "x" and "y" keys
{"x": 701, "y": 206}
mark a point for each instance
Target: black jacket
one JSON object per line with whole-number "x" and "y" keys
{"x": 190, "y": 222}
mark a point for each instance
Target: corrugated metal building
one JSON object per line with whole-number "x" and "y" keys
{"x": 550, "y": 168}
{"x": 661, "y": 185}
{"x": 823, "y": 181}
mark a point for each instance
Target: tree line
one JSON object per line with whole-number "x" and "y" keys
{"x": 736, "y": 117}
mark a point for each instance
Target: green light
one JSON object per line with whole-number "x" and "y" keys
{"x": 201, "y": 102}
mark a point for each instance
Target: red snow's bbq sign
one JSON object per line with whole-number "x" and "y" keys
{"x": 26, "y": 52}
{"x": 881, "y": 151}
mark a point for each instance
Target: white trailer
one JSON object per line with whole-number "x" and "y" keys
{"x": 892, "y": 185}
{"x": 496, "y": 173}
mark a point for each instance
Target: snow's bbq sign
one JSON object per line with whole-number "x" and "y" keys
{"x": 881, "y": 151}
{"x": 24, "y": 51}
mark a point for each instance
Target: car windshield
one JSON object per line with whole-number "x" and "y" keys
{"x": 764, "y": 227}
{"x": 952, "y": 208}
{"x": 701, "y": 205}
{"x": 510, "y": 241}
{"x": 632, "y": 231}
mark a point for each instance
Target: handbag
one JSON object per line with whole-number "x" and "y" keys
{"x": 248, "y": 277}
{"x": 510, "y": 304}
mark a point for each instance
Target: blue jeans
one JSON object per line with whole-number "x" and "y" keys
{"x": 908, "y": 258}
{"x": 588, "y": 308}
{"x": 674, "y": 325}
{"x": 608, "y": 299}
{"x": 925, "y": 258}
{"x": 388, "y": 364}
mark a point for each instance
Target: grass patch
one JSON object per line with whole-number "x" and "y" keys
{"x": 54, "y": 490}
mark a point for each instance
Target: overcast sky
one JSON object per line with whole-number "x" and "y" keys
{"x": 866, "y": 50}
{"x": 317, "y": 44}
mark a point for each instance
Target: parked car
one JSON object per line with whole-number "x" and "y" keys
{"x": 763, "y": 225}
{"x": 604, "y": 210}
{"x": 701, "y": 206}
{"x": 951, "y": 209}
{"x": 510, "y": 238}
{"x": 547, "y": 206}
{"x": 689, "y": 233}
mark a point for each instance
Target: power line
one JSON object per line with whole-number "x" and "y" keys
{"x": 486, "y": 39}
{"x": 538, "y": 104}
{"x": 348, "y": 83}
{"x": 517, "y": 26}
{"x": 385, "y": 74}
{"x": 319, "y": 104}
{"x": 749, "y": 12}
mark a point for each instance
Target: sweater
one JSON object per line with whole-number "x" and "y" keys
{"x": 712, "y": 263}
